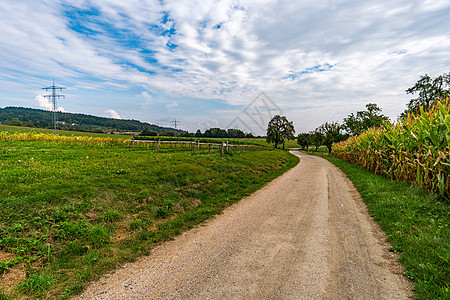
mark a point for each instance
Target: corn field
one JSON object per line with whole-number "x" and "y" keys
{"x": 415, "y": 149}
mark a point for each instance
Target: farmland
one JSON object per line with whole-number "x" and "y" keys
{"x": 73, "y": 209}
{"x": 416, "y": 150}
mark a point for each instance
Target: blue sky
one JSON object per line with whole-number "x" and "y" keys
{"x": 204, "y": 62}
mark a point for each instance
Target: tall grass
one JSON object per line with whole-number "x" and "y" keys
{"x": 35, "y": 136}
{"x": 416, "y": 149}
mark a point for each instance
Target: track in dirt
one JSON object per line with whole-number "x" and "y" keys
{"x": 305, "y": 235}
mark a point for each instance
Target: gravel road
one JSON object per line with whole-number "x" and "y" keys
{"x": 305, "y": 235}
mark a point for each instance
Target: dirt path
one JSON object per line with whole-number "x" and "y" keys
{"x": 305, "y": 235}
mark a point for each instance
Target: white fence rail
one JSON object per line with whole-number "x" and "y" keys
{"x": 196, "y": 146}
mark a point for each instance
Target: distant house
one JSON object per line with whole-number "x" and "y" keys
{"x": 61, "y": 122}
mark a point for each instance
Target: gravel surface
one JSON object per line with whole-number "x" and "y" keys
{"x": 305, "y": 235}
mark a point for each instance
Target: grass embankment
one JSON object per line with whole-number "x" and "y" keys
{"x": 71, "y": 211}
{"x": 417, "y": 224}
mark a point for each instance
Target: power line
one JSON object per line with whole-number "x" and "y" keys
{"x": 175, "y": 123}
{"x": 53, "y": 96}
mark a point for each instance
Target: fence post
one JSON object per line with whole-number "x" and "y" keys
{"x": 223, "y": 148}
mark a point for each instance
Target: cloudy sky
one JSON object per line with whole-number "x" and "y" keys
{"x": 224, "y": 63}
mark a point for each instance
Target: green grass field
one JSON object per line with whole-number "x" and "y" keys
{"x": 71, "y": 211}
{"x": 256, "y": 141}
{"x": 417, "y": 224}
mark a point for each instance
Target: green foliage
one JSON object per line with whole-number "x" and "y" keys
{"x": 4, "y": 296}
{"x": 415, "y": 150}
{"x": 303, "y": 139}
{"x": 99, "y": 236}
{"x": 430, "y": 91}
{"x": 316, "y": 138}
{"x": 15, "y": 122}
{"x": 363, "y": 120}
{"x": 110, "y": 216}
{"x": 36, "y": 284}
{"x": 216, "y": 133}
{"x": 417, "y": 224}
{"x": 148, "y": 132}
{"x": 231, "y": 133}
{"x": 279, "y": 130}
{"x": 331, "y": 134}
{"x": 75, "y": 122}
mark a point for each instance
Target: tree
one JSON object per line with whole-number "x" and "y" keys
{"x": 148, "y": 132}
{"x": 215, "y": 133}
{"x": 316, "y": 138}
{"x": 187, "y": 134}
{"x": 198, "y": 133}
{"x": 279, "y": 130}
{"x": 331, "y": 134}
{"x": 235, "y": 133}
{"x": 15, "y": 122}
{"x": 303, "y": 140}
{"x": 363, "y": 120}
{"x": 429, "y": 90}
{"x": 287, "y": 131}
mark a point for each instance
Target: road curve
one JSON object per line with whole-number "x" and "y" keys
{"x": 305, "y": 235}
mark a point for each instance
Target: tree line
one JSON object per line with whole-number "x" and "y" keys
{"x": 30, "y": 117}
{"x": 429, "y": 92}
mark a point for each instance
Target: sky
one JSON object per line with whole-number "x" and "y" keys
{"x": 228, "y": 64}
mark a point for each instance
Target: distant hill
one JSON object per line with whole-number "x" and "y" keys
{"x": 31, "y": 117}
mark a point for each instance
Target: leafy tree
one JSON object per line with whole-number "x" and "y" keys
{"x": 287, "y": 131}
{"x": 29, "y": 123}
{"x": 15, "y": 122}
{"x": 215, "y": 133}
{"x": 316, "y": 138}
{"x": 279, "y": 130}
{"x": 429, "y": 90}
{"x": 303, "y": 140}
{"x": 148, "y": 132}
{"x": 331, "y": 134}
{"x": 187, "y": 134}
{"x": 363, "y": 120}
{"x": 235, "y": 133}
{"x": 198, "y": 133}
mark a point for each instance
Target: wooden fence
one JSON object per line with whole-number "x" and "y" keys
{"x": 195, "y": 146}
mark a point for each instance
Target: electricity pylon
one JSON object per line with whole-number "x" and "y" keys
{"x": 53, "y": 96}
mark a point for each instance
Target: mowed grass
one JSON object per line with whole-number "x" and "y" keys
{"x": 72, "y": 211}
{"x": 417, "y": 224}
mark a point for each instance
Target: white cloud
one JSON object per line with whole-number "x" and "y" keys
{"x": 43, "y": 102}
{"x": 46, "y": 104}
{"x": 207, "y": 124}
{"x": 172, "y": 104}
{"x": 230, "y": 50}
{"x": 113, "y": 114}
